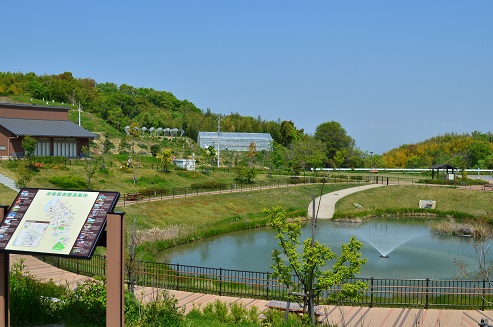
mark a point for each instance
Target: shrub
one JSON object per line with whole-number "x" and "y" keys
{"x": 69, "y": 182}
{"x": 27, "y": 292}
{"x": 163, "y": 311}
{"x": 209, "y": 185}
{"x": 86, "y": 303}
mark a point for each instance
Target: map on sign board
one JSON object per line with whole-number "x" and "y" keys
{"x": 56, "y": 222}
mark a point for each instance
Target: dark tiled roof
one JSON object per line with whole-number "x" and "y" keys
{"x": 44, "y": 128}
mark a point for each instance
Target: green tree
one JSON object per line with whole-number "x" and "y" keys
{"x": 307, "y": 152}
{"x": 289, "y": 133}
{"x": 334, "y": 137}
{"x": 308, "y": 265}
{"x": 165, "y": 158}
{"x": 29, "y": 144}
{"x": 24, "y": 174}
{"x": 278, "y": 155}
{"x": 210, "y": 153}
{"x": 155, "y": 148}
{"x": 252, "y": 152}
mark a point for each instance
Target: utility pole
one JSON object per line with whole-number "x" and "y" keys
{"x": 218, "y": 138}
{"x": 311, "y": 294}
{"x": 371, "y": 163}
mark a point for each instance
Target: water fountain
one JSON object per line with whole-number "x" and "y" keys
{"x": 393, "y": 247}
{"x": 386, "y": 240}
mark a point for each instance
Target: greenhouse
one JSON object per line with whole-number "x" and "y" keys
{"x": 235, "y": 141}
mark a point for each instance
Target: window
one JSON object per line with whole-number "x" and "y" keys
{"x": 65, "y": 147}
{"x": 42, "y": 147}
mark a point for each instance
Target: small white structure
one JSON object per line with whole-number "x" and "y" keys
{"x": 427, "y": 204}
{"x": 188, "y": 164}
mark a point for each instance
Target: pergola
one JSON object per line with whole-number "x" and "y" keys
{"x": 447, "y": 167}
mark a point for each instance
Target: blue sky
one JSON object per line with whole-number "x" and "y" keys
{"x": 391, "y": 72}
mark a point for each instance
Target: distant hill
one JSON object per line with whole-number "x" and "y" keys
{"x": 461, "y": 150}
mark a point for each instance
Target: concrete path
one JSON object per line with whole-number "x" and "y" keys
{"x": 10, "y": 183}
{"x": 325, "y": 204}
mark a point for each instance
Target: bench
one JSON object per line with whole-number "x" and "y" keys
{"x": 293, "y": 307}
{"x": 485, "y": 186}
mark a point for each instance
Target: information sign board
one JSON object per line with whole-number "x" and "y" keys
{"x": 56, "y": 222}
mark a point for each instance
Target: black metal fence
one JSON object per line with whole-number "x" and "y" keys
{"x": 150, "y": 195}
{"x": 420, "y": 293}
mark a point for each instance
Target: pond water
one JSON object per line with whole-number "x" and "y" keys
{"x": 413, "y": 250}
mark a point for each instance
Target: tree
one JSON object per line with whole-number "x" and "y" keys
{"x": 24, "y": 174}
{"x": 29, "y": 145}
{"x": 155, "y": 148}
{"x": 334, "y": 137}
{"x": 308, "y": 265}
{"x": 289, "y": 133}
{"x": 252, "y": 152}
{"x": 482, "y": 233}
{"x": 210, "y": 153}
{"x": 278, "y": 155}
{"x": 91, "y": 167}
{"x": 306, "y": 152}
{"x": 165, "y": 158}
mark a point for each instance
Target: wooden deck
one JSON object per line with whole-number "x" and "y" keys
{"x": 339, "y": 315}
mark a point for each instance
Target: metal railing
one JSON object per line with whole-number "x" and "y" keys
{"x": 150, "y": 195}
{"x": 420, "y": 293}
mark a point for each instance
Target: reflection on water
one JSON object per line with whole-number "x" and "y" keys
{"x": 414, "y": 252}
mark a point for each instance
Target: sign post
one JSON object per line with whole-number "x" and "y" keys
{"x": 4, "y": 282}
{"x": 115, "y": 284}
{"x": 63, "y": 223}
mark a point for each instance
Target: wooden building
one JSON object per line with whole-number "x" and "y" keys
{"x": 55, "y": 134}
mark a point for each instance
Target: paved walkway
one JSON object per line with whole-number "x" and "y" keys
{"x": 342, "y": 316}
{"x": 325, "y": 205}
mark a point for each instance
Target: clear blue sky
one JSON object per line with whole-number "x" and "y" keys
{"x": 391, "y": 72}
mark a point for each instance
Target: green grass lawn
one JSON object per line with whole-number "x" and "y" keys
{"x": 469, "y": 202}
{"x": 196, "y": 217}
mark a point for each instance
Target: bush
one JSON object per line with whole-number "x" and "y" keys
{"x": 86, "y": 303}
{"x": 69, "y": 182}
{"x": 28, "y": 293}
{"x": 163, "y": 311}
{"x": 209, "y": 185}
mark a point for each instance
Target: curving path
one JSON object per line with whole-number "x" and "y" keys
{"x": 326, "y": 203}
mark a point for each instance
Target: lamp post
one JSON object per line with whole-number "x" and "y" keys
{"x": 371, "y": 163}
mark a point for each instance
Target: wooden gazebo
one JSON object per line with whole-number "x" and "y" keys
{"x": 447, "y": 167}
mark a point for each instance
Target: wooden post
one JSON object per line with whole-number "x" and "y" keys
{"x": 4, "y": 281}
{"x": 115, "y": 267}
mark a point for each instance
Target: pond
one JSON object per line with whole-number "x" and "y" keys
{"x": 413, "y": 250}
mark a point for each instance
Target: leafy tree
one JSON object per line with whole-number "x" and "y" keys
{"x": 165, "y": 158}
{"x": 340, "y": 157}
{"x": 477, "y": 151}
{"x": 210, "y": 153}
{"x": 155, "y": 148}
{"x": 24, "y": 174}
{"x": 289, "y": 133}
{"x": 252, "y": 152}
{"x": 245, "y": 174}
{"x": 278, "y": 155}
{"x": 334, "y": 136}
{"x": 306, "y": 152}
{"x": 107, "y": 144}
{"x": 29, "y": 145}
{"x": 308, "y": 265}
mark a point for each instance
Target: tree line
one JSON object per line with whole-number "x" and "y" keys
{"x": 330, "y": 146}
